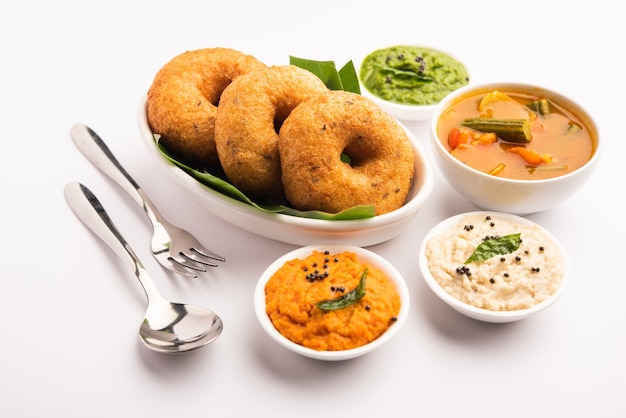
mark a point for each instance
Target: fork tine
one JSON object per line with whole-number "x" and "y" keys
{"x": 208, "y": 254}
{"x": 180, "y": 268}
{"x": 186, "y": 263}
{"x": 198, "y": 260}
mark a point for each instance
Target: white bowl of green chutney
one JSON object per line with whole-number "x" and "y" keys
{"x": 409, "y": 81}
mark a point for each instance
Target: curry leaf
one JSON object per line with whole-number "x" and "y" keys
{"x": 349, "y": 79}
{"x": 495, "y": 246}
{"x": 344, "y": 79}
{"x": 401, "y": 73}
{"x": 345, "y": 300}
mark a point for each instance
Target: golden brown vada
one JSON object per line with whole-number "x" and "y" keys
{"x": 316, "y": 134}
{"x": 182, "y": 100}
{"x": 251, "y": 111}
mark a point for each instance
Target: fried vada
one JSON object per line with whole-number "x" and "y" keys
{"x": 320, "y": 130}
{"x": 251, "y": 112}
{"x": 183, "y": 98}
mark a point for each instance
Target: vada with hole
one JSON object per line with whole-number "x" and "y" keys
{"x": 183, "y": 98}
{"x": 339, "y": 149}
{"x": 251, "y": 112}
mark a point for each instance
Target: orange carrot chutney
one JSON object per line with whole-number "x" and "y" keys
{"x": 294, "y": 290}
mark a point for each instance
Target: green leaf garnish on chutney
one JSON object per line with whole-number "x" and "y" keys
{"x": 402, "y": 73}
{"x": 495, "y": 246}
{"x": 345, "y": 300}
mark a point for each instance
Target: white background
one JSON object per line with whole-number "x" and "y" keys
{"x": 71, "y": 310}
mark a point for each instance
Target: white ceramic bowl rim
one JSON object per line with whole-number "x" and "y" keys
{"x": 364, "y": 256}
{"x": 519, "y": 86}
{"x": 473, "y": 311}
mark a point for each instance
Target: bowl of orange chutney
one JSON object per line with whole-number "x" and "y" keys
{"x": 513, "y": 147}
{"x": 331, "y": 302}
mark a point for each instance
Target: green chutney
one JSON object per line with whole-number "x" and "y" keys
{"x": 412, "y": 75}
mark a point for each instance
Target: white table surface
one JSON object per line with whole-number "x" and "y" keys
{"x": 71, "y": 310}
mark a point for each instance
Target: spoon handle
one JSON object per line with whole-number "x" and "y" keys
{"x": 96, "y": 151}
{"x": 91, "y": 212}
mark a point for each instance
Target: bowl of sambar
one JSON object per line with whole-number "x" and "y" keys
{"x": 512, "y": 147}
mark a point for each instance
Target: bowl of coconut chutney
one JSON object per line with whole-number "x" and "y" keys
{"x": 494, "y": 267}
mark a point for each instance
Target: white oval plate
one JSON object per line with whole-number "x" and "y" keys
{"x": 297, "y": 230}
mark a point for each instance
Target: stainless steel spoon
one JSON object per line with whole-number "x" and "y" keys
{"x": 167, "y": 327}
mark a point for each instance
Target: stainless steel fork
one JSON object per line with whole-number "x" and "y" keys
{"x": 175, "y": 248}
